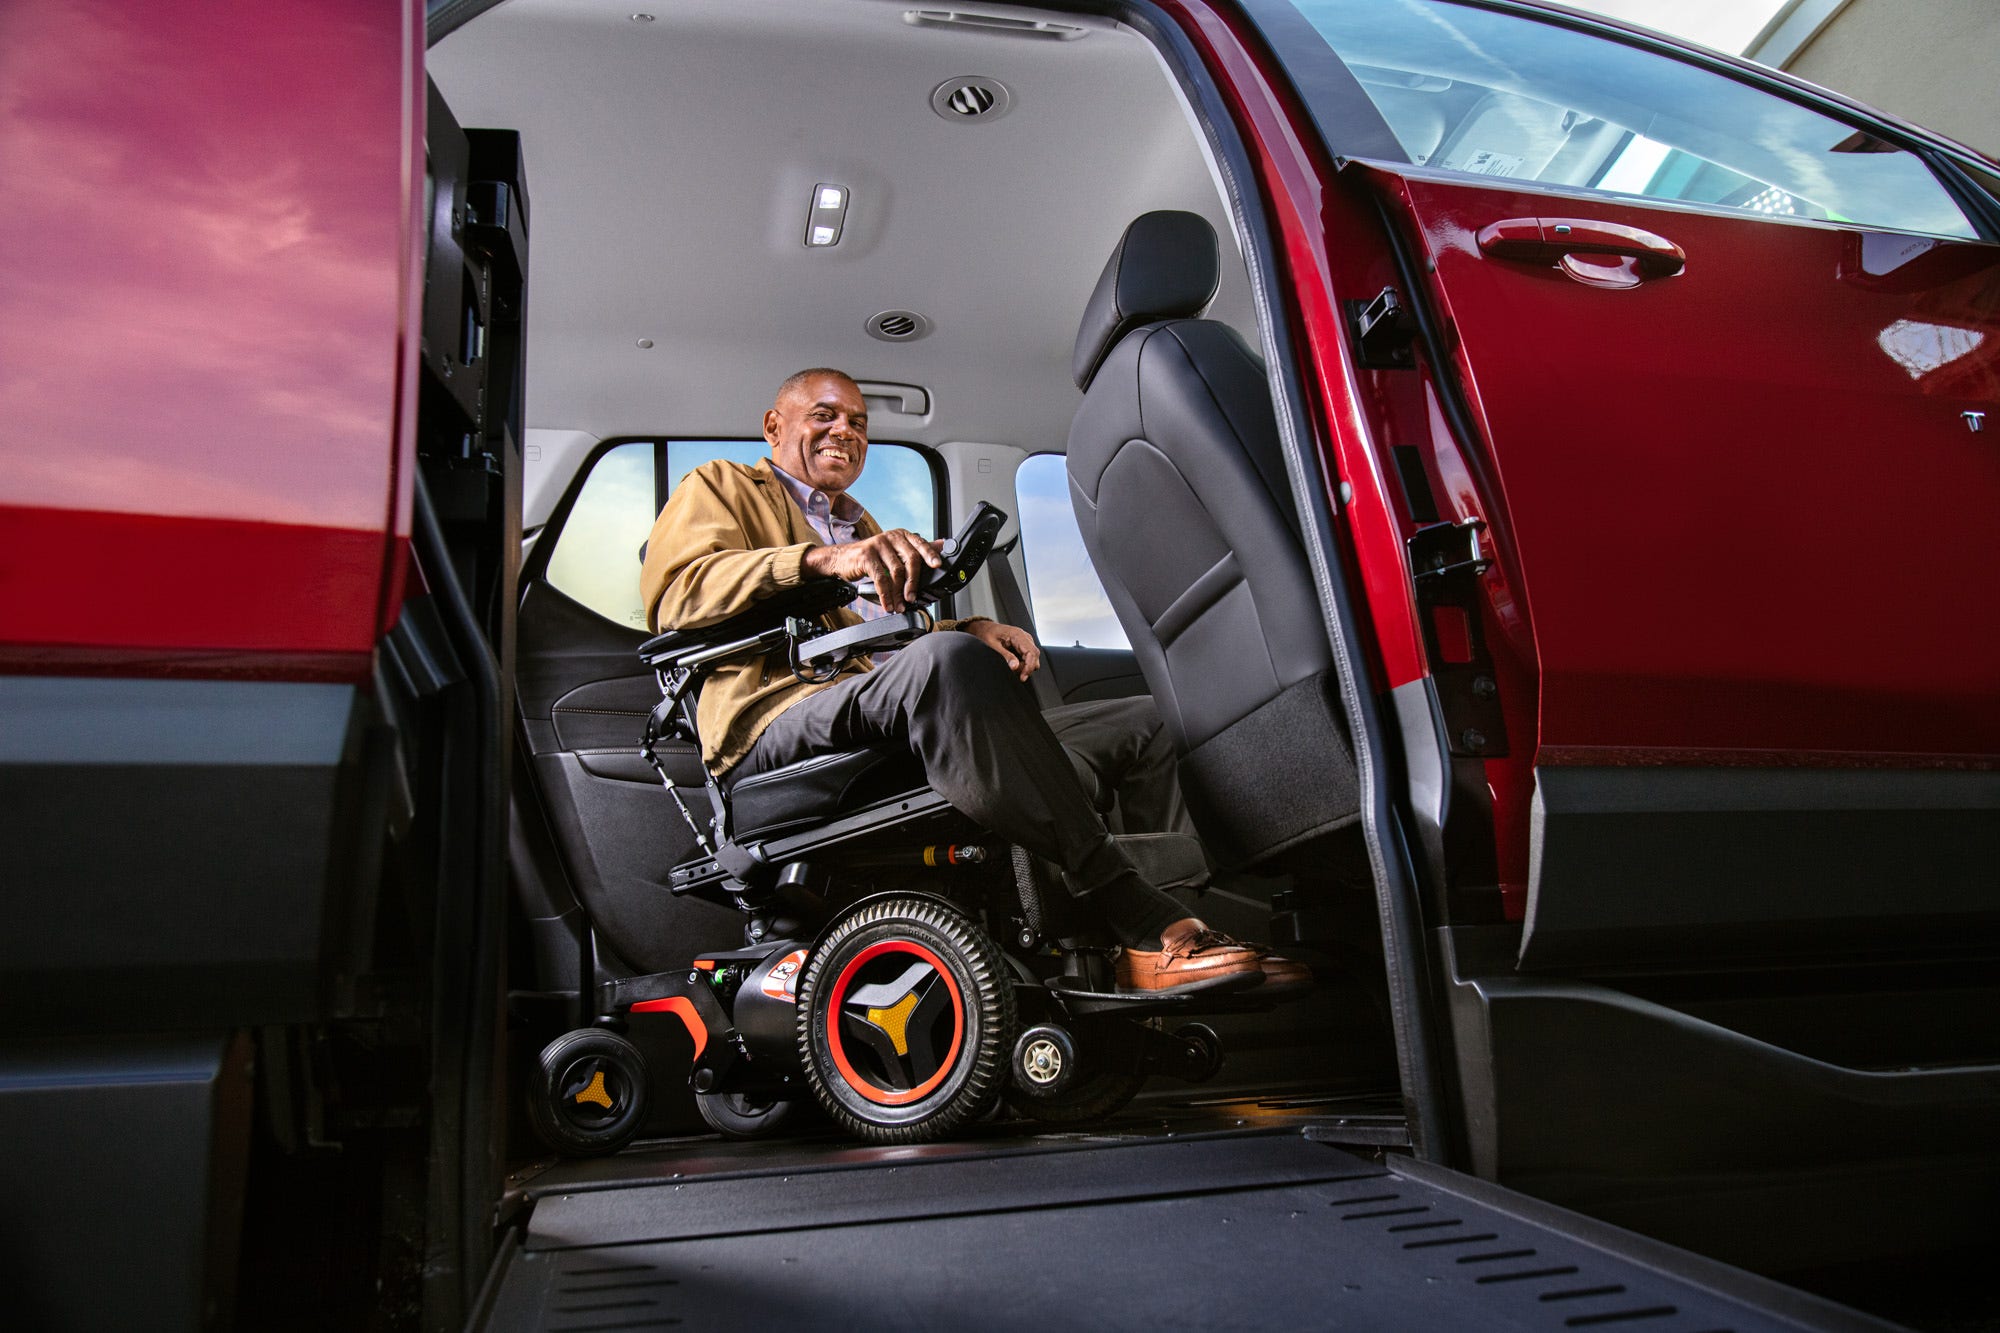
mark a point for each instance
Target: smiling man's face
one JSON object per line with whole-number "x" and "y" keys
{"x": 818, "y": 432}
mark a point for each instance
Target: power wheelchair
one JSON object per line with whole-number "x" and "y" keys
{"x": 898, "y": 967}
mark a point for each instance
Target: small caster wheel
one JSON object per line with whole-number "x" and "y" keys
{"x": 590, "y": 1094}
{"x": 1044, "y": 1061}
{"x": 1205, "y": 1059}
{"x": 1099, "y": 1072}
{"x": 738, "y": 1115}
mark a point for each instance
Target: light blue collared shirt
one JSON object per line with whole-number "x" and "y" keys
{"x": 834, "y": 518}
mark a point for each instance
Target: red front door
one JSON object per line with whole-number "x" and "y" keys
{"x": 1751, "y": 490}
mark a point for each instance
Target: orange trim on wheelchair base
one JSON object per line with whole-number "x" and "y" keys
{"x": 683, "y": 1006}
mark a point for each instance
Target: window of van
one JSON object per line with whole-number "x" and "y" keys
{"x": 1071, "y": 610}
{"x": 597, "y": 554}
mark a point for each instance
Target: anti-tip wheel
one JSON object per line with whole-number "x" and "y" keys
{"x": 589, "y": 1097}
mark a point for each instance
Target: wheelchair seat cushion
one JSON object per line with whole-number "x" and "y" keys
{"x": 821, "y": 787}
{"x": 825, "y": 785}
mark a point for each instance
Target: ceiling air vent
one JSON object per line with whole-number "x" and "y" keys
{"x": 971, "y": 98}
{"x": 898, "y": 326}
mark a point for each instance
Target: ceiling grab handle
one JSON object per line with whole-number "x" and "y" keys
{"x": 1551, "y": 240}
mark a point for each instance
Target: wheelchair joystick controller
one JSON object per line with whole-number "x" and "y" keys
{"x": 964, "y": 552}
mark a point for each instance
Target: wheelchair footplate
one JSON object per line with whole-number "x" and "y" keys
{"x": 1082, "y": 1003}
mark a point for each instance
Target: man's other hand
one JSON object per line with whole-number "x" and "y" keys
{"x": 894, "y": 559}
{"x": 1016, "y": 645}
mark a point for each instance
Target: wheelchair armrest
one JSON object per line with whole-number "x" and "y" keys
{"x": 837, "y": 646}
{"x": 812, "y": 598}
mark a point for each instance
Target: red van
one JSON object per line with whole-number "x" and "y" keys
{"x": 1622, "y": 437}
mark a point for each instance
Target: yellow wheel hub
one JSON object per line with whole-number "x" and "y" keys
{"x": 596, "y": 1092}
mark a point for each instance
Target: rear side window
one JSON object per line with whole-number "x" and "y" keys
{"x": 1500, "y": 95}
{"x": 596, "y": 555}
{"x": 1071, "y": 610}
{"x": 598, "y": 552}
{"x": 897, "y": 486}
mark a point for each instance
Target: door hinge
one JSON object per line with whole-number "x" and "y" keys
{"x": 1440, "y": 550}
{"x": 1446, "y": 560}
{"x": 1385, "y": 334}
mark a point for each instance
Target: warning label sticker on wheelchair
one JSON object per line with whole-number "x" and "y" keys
{"x": 782, "y": 981}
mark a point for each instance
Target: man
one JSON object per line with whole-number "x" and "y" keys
{"x": 733, "y": 534}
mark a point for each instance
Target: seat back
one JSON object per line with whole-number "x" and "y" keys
{"x": 1180, "y": 491}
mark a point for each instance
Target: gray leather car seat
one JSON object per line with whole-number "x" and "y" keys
{"x": 1180, "y": 491}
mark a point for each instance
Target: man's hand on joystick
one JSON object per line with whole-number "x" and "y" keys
{"x": 894, "y": 560}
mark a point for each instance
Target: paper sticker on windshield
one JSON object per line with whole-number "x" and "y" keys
{"x": 782, "y": 981}
{"x": 1489, "y": 163}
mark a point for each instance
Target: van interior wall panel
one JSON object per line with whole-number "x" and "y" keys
{"x": 583, "y": 700}
{"x": 563, "y": 646}
{"x": 1094, "y": 673}
{"x": 611, "y": 715}
{"x": 623, "y": 838}
{"x": 173, "y": 848}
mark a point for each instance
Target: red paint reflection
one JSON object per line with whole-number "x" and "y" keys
{"x": 203, "y": 224}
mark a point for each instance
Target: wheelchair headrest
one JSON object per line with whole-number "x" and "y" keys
{"x": 1166, "y": 266}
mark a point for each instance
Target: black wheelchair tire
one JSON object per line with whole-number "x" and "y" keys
{"x": 735, "y": 1116}
{"x": 572, "y": 1068}
{"x": 1092, "y": 1097}
{"x": 1107, "y": 1077}
{"x": 1205, "y": 1038}
{"x": 955, "y": 1089}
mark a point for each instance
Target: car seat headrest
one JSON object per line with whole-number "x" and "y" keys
{"x": 1166, "y": 266}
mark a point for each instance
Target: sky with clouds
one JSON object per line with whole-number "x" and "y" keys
{"x": 1725, "y": 25}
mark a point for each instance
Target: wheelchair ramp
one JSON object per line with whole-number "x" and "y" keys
{"x": 1247, "y": 1230}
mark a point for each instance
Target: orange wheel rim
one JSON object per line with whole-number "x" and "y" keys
{"x": 839, "y": 1004}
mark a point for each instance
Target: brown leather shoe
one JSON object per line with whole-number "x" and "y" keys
{"x": 1283, "y": 974}
{"x": 1191, "y": 957}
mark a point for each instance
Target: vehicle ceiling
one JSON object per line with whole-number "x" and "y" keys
{"x": 670, "y": 166}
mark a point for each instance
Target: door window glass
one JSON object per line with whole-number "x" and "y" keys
{"x": 598, "y": 553}
{"x": 1070, "y": 607}
{"x": 897, "y": 486}
{"x": 1496, "y": 94}
{"x": 596, "y": 556}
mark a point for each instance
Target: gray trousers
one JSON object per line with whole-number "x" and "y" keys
{"x": 988, "y": 750}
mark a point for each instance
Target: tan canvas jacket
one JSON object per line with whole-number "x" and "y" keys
{"x": 730, "y": 536}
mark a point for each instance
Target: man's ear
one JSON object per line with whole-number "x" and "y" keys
{"x": 773, "y": 425}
